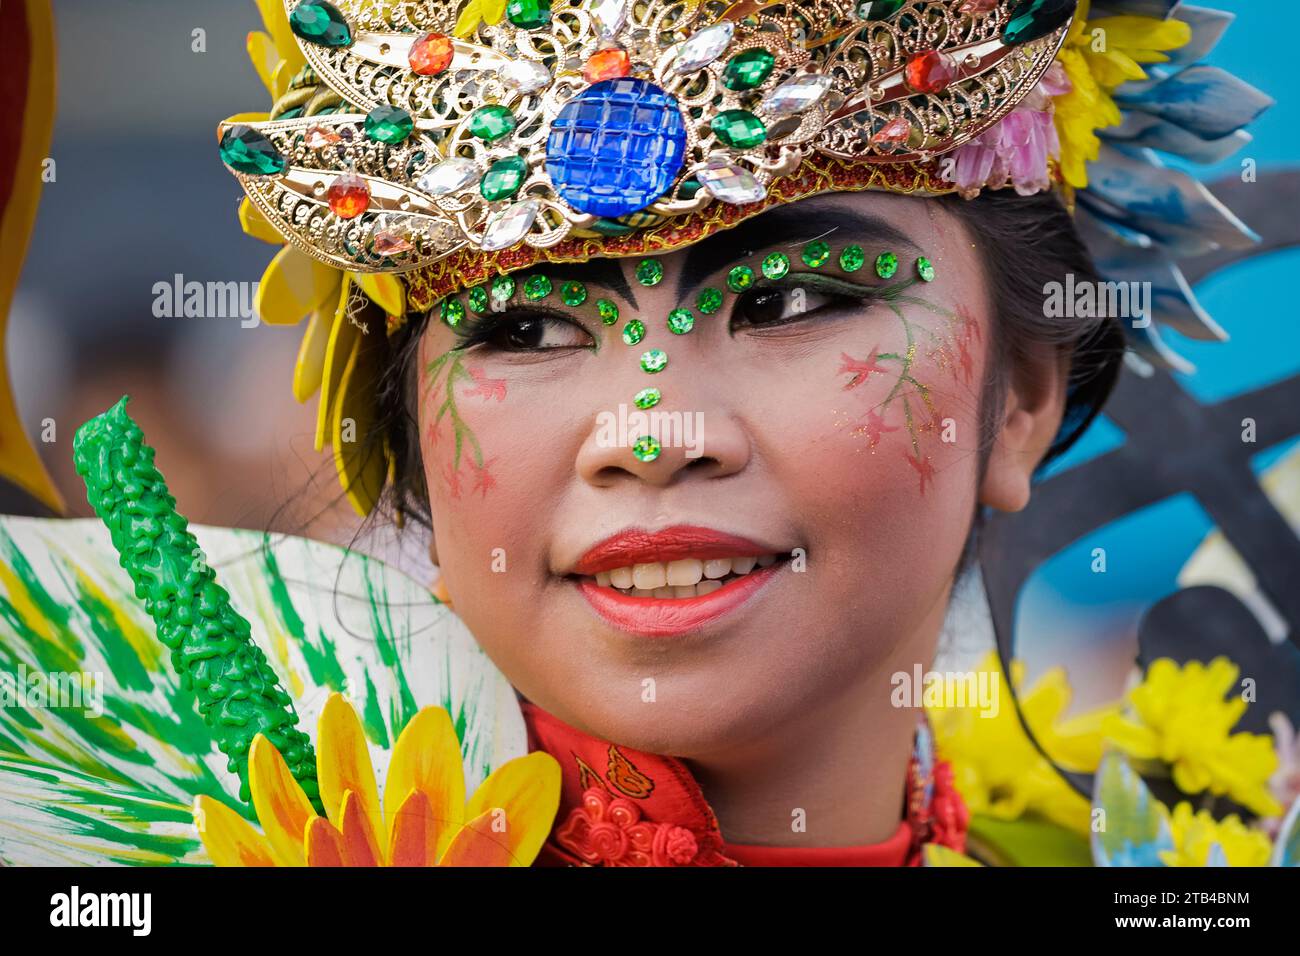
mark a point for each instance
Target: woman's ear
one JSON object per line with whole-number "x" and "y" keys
{"x": 1031, "y": 416}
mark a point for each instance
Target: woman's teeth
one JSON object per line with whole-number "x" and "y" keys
{"x": 686, "y": 578}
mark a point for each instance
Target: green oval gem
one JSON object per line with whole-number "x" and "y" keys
{"x": 648, "y": 398}
{"x": 453, "y": 313}
{"x": 739, "y": 129}
{"x": 491, "y": 123}
{"x": 537, "y": 287}
{"x": 776, "y": 266}
{"x": 740, "y": 279}
{"x": 608, "y": 311}
{"x": 573, "y": 293}
{"x": 680, "y": 321}
{"x": 529, "y": 14}
{"x": 649, "y": 272}
{"x": 478, "y": 300}
{"x": 748, "y": 69}
{"x": 654, "y": 361}
{"x": 709, "y": 301}
{"x": 1031, "y": 19}
{"x": 319, "y": 22}
{"x": 852, "y": 258}
{"x": 925, "y": 269}
{"x": 634, "y": 332}
{"x": 503, "y": 288}
{"x": 886, "y": 265}
{"x": 647, "y": 448}
{"x": 816, "y": 253}
{"x": 247, "y": 151}
{"x": 503, "y": 178}
{"x": 388, "y": 124}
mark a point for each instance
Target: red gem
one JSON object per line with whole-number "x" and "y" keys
{"x": 607, "y": 65}
{"x": 893, "y": 133}
{"x": 431, "y": 54}
{"x": 349, "y": 196}
{"x": 929, "y": 72}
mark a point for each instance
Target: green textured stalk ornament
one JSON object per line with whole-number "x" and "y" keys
{"x": 211, "y": 644}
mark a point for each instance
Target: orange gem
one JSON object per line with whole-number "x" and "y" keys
{"x": 431, "y": 54}
{"x": 607, "y": 65}
{"x": 349, "y": 196}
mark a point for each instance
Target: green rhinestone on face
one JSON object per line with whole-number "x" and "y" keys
{"x": 529, "y": 14}
{"x": 647, "y": 448}
{"x": 388, "y": 124}
{"x": 503, "y": 178}
{"x": 478, "y": 300}
{"x": 680, "y": 321}
{"x": 748, "y": 69}
{"x": 453, "y": 313}
{"x": 608, "y": 311}
{"x": 654, "y": 361}
{"x": 503, "y": 288}
{"x": 649, "y": 272}
{"x": 634, "y": 332}
{"x": 925, "y": 269}
{"x": 740, "y": 279}
{"x": 648, "y": 398}
{"x": 816, "y": 253}
{"x": 776, "y": 266}
{"x": 537, "y": 287}
{"x": 573, "y": 293}
{"x": 709, "y": 301}
{"x": 886, "y": 265}
{"x": 491, "y": 123}
{"x": 852, "y": 258}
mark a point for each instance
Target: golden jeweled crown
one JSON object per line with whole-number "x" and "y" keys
{"x": 604, "y": 120}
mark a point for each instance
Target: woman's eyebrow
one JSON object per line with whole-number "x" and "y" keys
{"x": 795, "y": 223}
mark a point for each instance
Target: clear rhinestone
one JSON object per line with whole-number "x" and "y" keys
{"x": 730, "y": 183}
{"x": 524, "y": 76}
{"x": 450, "y": 176}
{"x": 797, "y": 95}
{"x": 510, "y": 225}
{"x": 703, "y": 48}
{"x": 610, "y": 15}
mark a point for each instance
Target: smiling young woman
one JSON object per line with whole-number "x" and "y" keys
{"x": 869, "y": 372}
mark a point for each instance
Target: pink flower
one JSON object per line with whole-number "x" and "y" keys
{"x": 1014, "y": 151}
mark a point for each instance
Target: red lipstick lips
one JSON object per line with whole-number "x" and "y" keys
{"x": 671, "y": 544}
{"x": 667, "y": 617}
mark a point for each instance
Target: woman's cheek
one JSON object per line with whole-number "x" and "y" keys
{"x": 462, "y": 411}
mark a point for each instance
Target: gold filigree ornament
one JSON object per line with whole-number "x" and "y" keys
{"x": 411, "y": 151}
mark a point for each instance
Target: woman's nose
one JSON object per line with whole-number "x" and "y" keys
{"x": 684, "y": 444}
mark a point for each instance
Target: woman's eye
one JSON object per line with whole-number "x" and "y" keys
{"x": 534, "y": 333}
{"x": 760, "y": 307}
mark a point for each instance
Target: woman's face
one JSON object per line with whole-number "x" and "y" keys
{"x": 796, "y": 536}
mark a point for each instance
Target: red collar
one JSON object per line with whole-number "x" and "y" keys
{"x": 624, "y": 807}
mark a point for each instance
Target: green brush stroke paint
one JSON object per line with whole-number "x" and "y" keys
{"x": 210, "y": 643}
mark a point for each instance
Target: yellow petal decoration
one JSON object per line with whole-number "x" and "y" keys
{"x": 422, "y": 819}
{"x": 479, "y": 11}
{"x": 277, "y": 25}
{"x": 384, "y": 289}
{"x": 1099, "y": 55}
{"x": 362, "y": 466}
{"x": 338, "y": 351}
{"x": 311, "y": 354}
{"x": 1195, "y": 833}
{"x": 1179, "y": 715}
{"x": 265, "y": 57}
{"x": 293, "y": 287}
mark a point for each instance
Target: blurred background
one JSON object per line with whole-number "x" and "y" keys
{"x": 140, "y": 196}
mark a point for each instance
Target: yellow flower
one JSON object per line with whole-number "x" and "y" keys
{"x": 424, "y": 819}
{"x": 476, "y": 11}
{"x": 1194, "y": 833}
{"x": 1098, "y": 56}
{"x": 1178, "y": 715}
{"x": 996, "y": 767}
